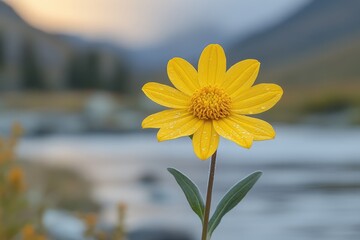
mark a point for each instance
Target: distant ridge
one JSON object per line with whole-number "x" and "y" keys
{"x": 319, "y": 24}
{"x": 7, "y": 10}
{"x": 38, "y": 60}
{"x": 314, "y": 55}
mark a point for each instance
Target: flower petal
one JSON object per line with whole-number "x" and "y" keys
{"x": 241, "y": 76}
{"x": 260, "y": 129}
{"x": 205, "y": 141}
{"x": 165, "y": 95}
{"x": 183, "y": 75}
{"x": 257, "y": 99}
{"x": 157, "y": 120}
{"x": 212, "y": 65}
{"x": 232, "y": 130}
{"x": 184, "y": 126}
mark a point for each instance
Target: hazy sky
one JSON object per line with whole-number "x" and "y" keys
{"x": 141, "y": 23}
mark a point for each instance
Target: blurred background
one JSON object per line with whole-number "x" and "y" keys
{"x": 71, "y": 73}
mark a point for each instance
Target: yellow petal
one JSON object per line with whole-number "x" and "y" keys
{"x": 184, "y": 126}
{"x": 257, "y": 99}
{"x": 166, "y": 96}
{"x": 232, "y": 130}
{"x": 183, "y": 75}
{"x": 157, "y": 120}
{"x": 260, "y": 129}
{"x": 205, "y": 141}
{"x": 241, "y": 76}
{"x": 212, "y": 65}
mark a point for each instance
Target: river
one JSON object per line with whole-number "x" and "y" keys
{"x": 310, "y": 188}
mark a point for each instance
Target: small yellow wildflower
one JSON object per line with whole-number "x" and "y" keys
{"x": 17, "y": 130}
{"x": 90, "y": 220}
{"x": 212, "y": 102}
{"x": 120, "y": 230}
{"x": 16, "y": 179}
{"x": 28, "y": 233}
{"x": 6, "y": 155}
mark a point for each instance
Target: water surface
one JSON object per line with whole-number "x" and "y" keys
{"x": 310, "y": 188}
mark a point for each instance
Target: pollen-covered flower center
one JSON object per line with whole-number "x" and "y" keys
{"x": 210, "y": 103}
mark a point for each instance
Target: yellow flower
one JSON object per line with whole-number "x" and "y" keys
{"x": 6, "y": 155}
{"x": 17, "y": 130}
{"x": 16, "y": 179}
{"x": 90, "y": 220}
{"x": 212, "y": 102}
{"x": 28, "y": 233}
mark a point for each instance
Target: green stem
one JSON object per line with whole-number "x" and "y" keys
{"x": 208, "y": 197}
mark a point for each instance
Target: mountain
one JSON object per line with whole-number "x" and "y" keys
{"x": 313, "y": 54}
{"x": 16, "y": 35}
{"x": 7, "y": 12}
{"x": 186, "y": 44}
{"x": 34, "y": 59}
{"x": 320, "y": 24}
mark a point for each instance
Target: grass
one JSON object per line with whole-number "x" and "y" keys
{"x": 39, "y": 100}
{"x": 67, "y": 101}
{"x": 298, "y": 102}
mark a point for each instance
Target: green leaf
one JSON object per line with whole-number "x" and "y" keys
{"x": 191, "y": 192}
{"x": 232, "y": 198}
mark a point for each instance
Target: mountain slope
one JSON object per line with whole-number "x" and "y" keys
{"x": 49, "y": 52}
{"x": 320, "y": 24}
{"x": 313, "y": 55}
{"x": 33, "y": 59}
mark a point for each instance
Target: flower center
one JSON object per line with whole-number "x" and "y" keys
{"x": 210, "y": 103}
